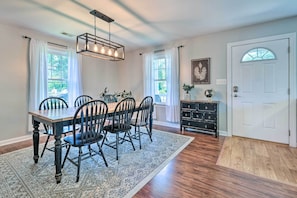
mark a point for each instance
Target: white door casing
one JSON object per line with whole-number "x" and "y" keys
{"x": 263, "y": 109}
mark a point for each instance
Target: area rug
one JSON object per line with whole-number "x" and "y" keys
{"x": 21, "y": 177}
{"x": 268, "y": 160}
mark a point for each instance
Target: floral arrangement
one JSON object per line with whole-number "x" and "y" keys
{"x": 188, "y": 88}
{"x": 118, "y": 95}
{"x": 124, "y": 94}
{"x": 102, "y": 94}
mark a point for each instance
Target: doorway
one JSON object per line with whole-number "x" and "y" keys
{"x": 262, "y": 89}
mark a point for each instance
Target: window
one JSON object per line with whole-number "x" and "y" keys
{"x": 57, "y": 73}
{"x": 161, "y": 75}
{"x": 160, "y": 78}
{"x": 258, "y": 54}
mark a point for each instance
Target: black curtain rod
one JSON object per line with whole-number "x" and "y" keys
{"x": 161, "y": 50}
{"x": 64, "y": 46}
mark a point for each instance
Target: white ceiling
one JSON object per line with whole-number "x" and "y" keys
{"x": 140, "y": 23}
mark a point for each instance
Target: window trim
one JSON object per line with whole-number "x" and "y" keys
{"x": 53, "y": 50}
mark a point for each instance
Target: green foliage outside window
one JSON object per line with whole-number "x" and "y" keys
{"x": 160, "y": 79}
{"x": 57, "y": 75}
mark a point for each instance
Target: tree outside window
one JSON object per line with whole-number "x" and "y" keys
{"x": 57, "y": 68}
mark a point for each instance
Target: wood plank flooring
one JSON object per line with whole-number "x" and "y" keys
{"x": 266, "y": 159}
{"x": 194, "y": 173}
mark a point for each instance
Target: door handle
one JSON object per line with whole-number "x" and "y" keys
{"x": 235, "y": 91}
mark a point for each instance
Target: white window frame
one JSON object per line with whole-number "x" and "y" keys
{"x": 60, "y": 52}
{"x": 158, "y": 56}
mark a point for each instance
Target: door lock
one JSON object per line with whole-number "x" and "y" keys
{"x": 235, "y": 91}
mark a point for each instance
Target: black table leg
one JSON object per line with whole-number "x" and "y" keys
{"x": 35, "y": 140}
{"x": 58, "y": 151}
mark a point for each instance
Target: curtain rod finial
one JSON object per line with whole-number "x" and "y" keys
{"x": 26, "y": 37}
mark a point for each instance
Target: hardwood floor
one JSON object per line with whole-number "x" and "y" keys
{"x": 262, "y": 158}
{"x": 194, "y": 173}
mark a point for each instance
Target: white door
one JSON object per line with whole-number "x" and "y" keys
{"x": 260, "y": 98}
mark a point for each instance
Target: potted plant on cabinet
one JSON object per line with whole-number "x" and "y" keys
{"x": 187, "y": 89}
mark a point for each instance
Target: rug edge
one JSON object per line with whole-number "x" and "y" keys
{"x": 132, "y": 192}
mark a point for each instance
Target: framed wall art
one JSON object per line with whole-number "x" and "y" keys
{"x": 200, "y": 71}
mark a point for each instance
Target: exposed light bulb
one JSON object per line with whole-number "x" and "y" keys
{"x": 95, "y": 47}
{"x": 102, "y": 50}
{"x": 109, "y": 52}
{"x": 116, "y": 53}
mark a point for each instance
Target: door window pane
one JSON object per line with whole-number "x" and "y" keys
{"x": 258, "y": 54}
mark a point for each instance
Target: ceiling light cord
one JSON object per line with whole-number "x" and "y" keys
{"x": 109, "y": 33}
{"x": 95, "y": 25}
{"x": 109, "y": 50}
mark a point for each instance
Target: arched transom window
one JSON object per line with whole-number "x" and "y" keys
{"x": 258, "y": 54}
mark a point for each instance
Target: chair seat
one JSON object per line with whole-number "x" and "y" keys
{"x": 70, "y": 139}
{"x": 134, "y": 122}
{"x": 117, "y": 128}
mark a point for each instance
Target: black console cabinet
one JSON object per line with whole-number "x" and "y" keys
{"x": 201, "y": 116}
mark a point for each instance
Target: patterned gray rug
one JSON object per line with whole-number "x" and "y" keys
{"x": 20, "y": 177}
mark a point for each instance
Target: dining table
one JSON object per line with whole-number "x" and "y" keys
{"x": 57, "y": 119}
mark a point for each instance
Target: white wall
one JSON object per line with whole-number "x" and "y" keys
{"x": 131, "y": 74}
{"x": 213, "y": 46}
{"x": 98, "y": 74}
{"x": 13, "y": 86}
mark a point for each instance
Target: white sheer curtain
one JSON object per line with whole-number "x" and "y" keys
{"x": 38, "y": 73}
{"x": 172, "y": 99}
{"x": 147, "y": 74}
{"x": 74, "y": 76}
{"x": 148, "y": 88}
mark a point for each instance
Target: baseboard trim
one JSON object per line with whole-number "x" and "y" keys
{"x": 18, "y": 139}
{"x": 15, "y": 140}
{"x": 223, "y": 133}
{"x": 167, "y": 124}
{"x": 177, "y": 125}
{"x": 28, "y": 137}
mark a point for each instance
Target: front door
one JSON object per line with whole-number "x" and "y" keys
{"x": 260, "y": 84}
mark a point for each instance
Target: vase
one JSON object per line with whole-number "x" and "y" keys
{"x": 187, "y": 96}
{"x": 208, "y": 93}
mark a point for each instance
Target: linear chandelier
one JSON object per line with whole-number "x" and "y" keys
{"x": 95, "y": 46}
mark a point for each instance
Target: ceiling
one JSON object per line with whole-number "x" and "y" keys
{"x": 140, "y": 23}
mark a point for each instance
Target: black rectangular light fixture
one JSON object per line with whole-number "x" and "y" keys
{"x": 95, "y": 46}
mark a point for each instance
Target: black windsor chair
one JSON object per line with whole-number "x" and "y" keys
{"x": 82, "y": 99}
{"x": 142, "y": 119}
{"x": 91, "y": 118}
{"x": 48, "y": 104}
{"x": 120, "y": 123}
